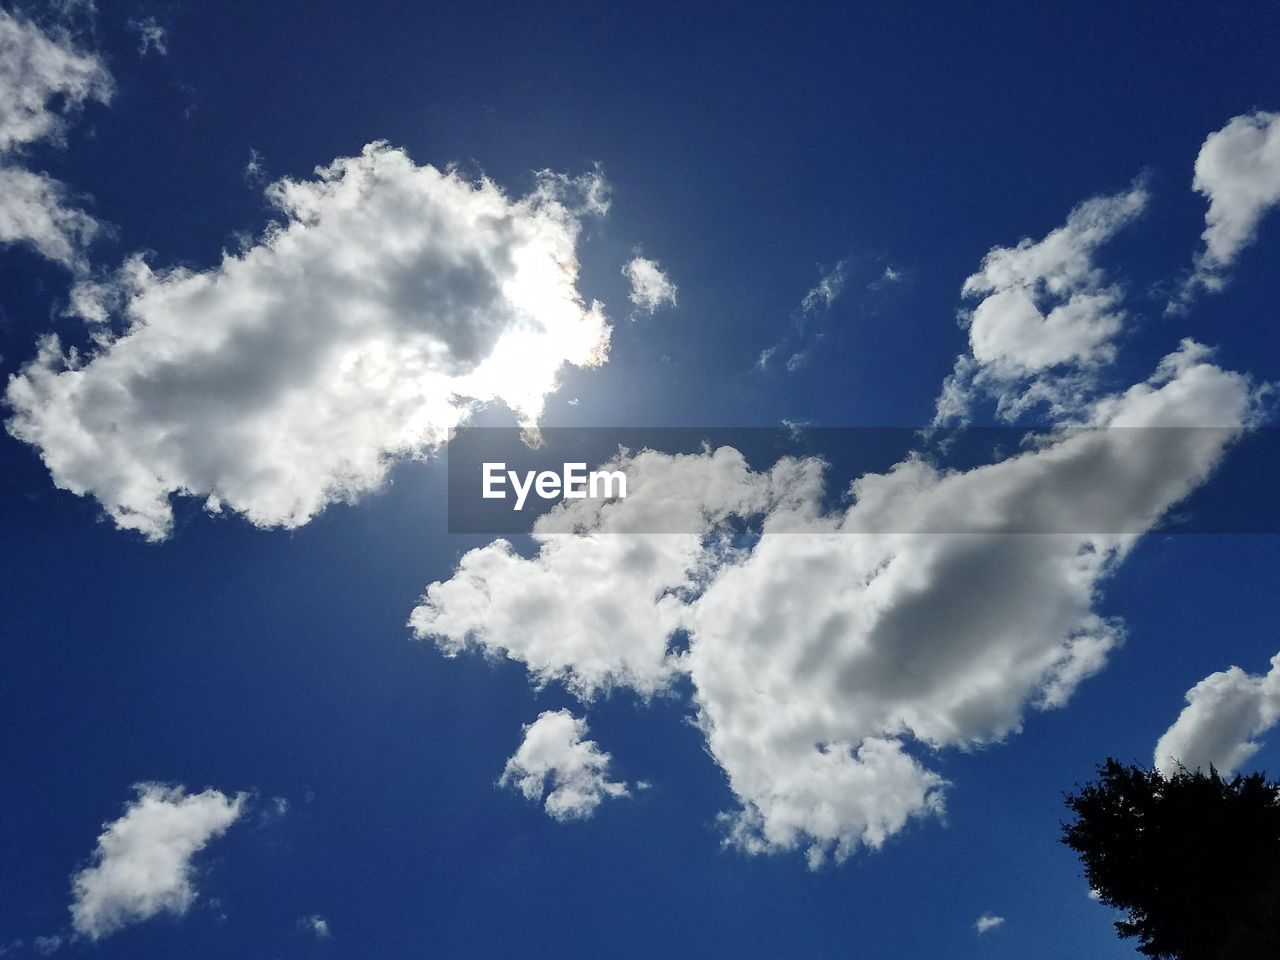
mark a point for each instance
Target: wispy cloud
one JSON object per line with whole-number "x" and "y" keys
{"x": 316, "y": 925}
{"x": 804, "y": 330}
{"x": 152, "y": 37}
{"x": 824, "y": 293}
{"x": 44, "y": 80}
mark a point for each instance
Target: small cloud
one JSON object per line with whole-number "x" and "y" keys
{"x": 555, "y": 764}
{"x": 828, "y": 288}
{"x": 798, "y": 341}
{"x": 988, "y": 922}
{"x": 889, "y": 278}
{"x": 1238, "y": 172}
{"x": 796, "y": 428}
{"x": 574, "y": 401}
{"x": 650, "y": 286}
{"x": 1095, "y": 894}
{"x": 143, "y": 862}
{"x": 274, "y": 809}
{"x": 48, "y": 945}
{"x": 797, "y": 360}
{"x": 254, "y": 171}
{"x": 45, "y": 82}
{"x": 315, "y": 925}
{"x": 1221, "y": 726}
{"x": 152, "y": 38}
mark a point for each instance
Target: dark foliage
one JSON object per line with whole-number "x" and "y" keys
{"x": 1194, "y": 859}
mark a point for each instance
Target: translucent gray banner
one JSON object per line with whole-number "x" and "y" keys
{"x": 690, "y": 480}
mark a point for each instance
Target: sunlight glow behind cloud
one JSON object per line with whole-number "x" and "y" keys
{"x": 387, "y": 303}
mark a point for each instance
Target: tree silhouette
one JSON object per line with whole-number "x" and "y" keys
{"x": 1193, "y": 858}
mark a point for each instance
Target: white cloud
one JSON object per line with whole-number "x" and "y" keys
{"x": 1046, "y": 316}
{"x": 555, "y": 762}
{"x": 831, "y": 652}
{"x": 255, "y": 168}
{"x": 44, "y": 79}
{"x": 837, "y": 651}
{"x": 1238, "y": 171}
{"x": 827, "y": 289}
{"x": 797, "y": 343}
{"x": 316, "y": 925}
{"x": 151, "y": 36}
{"x": 142, "y": 864}
{"x": 988, "y": 922}
{"x": 39, "y": 71}
{"x": 1224, "y": 714}
{"x": 47, "y": 946}
{"x": 33, "y": 210}
{"x": 390, "y": 300}
{"x": 563, "y": 614}
{"x": 818, "y": 658}
{"x": 650, "y": 286}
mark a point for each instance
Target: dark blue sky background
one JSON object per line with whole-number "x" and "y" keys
{"x": 747, "y": 145}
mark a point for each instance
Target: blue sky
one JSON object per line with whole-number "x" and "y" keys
{"x": 341, "y": 772}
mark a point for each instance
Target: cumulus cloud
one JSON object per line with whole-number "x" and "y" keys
{"x": 1238, "y": 172}
{"x": 651, "y": 288}
{"x": 1224, "y": 714}
{"x": 142, "y": 864}
{"x": 835, "y": 651}
{"x": 818, "y": 659}
{"x": 555, "y": 765}
{"x": 832, "y": 651}
{"x": 388, "y": 301}
{"x": 562, "y": 614}
{"x": 44, "y": 80}
{"x": 988, "y": 922}
{"x": 1046, "y": 317}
